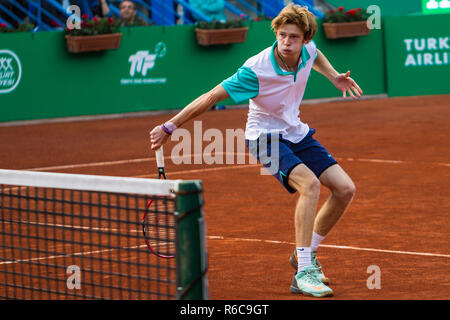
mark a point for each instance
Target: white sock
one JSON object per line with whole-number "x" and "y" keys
{"x": 316, "y": 240}
{"x": 304, "y": 257}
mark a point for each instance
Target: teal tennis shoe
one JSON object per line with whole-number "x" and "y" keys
{"x": 319, "y": 273}
{"x": 306, "y": 283}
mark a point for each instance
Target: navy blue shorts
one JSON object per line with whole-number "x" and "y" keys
{"x": 308, "y": 151}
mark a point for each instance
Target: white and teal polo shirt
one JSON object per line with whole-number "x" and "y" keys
{"x": 275, "y": 94}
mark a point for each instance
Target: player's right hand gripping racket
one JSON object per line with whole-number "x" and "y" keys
{"x": 158, "y": 223}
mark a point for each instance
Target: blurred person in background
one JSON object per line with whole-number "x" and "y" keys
{"x": 128, "y": 13}
{"x": 214, "y": 9}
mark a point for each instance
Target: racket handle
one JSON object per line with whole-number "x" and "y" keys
{"x": 160, "y": 157}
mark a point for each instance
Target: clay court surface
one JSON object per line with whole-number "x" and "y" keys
{"x": 396, "y": 150}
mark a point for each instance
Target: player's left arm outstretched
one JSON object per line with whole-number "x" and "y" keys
{"x": 341, "y": 81}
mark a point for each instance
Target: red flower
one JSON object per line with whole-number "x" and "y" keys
{"x": 3, "y": 25}
{"x": 359, "y": 9}
{"x": 351, "y": 12}
{"x": 341, "y": 8}
{"x": 85, "y": 16}
{"x": 83, "y": 23}
{"x": 256, "y": 19}
{"x": 96, "y": 19}
{"x": 331, "y": 11}
{"x": 110, "y": 20}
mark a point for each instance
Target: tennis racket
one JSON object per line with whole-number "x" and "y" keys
{"x": 158, "y": 223}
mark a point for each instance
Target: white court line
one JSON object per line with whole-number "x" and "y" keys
{"x": 376, "y": 160}
{"x": 334, "y": 246}
{"x": 140, "y": 160}
{"x": 68, "y": 255}
{"x": 119, "y": 162}
{"x": 64, "y": 226}
{"x": 387, "y": 251}
{"x": 91, "y": 164}
{"x": 443, "y": 164}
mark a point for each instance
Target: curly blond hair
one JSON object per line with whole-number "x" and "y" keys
{"x": 298, "y": 15}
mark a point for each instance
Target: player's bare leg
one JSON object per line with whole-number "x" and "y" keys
{"x": 305, "y": 281}
{"x": 342, "y": 191}
{"x": 305, "y": 182}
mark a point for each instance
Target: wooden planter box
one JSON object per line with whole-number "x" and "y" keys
{"x": 345, "y": 29}
{"x": 207, "y": 37}
{"x": 99, "y": 42}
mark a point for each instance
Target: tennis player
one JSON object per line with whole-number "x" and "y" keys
{"x": 274, "y": 80}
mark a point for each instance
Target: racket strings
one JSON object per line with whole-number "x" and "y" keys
{"x": 158, "y": 225}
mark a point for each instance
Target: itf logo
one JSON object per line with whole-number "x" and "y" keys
{"x": 142, "y": 62}
{"x": 10, "y": 71}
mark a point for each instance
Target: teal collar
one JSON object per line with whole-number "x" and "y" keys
{"x": 304, "y": 59}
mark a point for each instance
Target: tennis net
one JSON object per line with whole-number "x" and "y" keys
{"x": 69, "y": 236}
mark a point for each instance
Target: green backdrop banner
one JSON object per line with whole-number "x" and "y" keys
{"x": 418, "y": 55}
{"x": 155, "y": 68}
